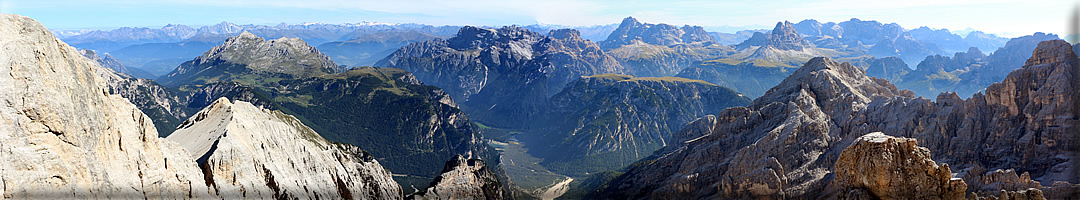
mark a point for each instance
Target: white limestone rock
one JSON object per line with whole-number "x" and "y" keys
{"x": 65, "y": 136}
{"x": 250, "y": 152}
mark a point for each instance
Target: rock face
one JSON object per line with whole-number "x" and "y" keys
{"x": 613, "y": 120}
{"x": 660, "y": 49}
{"x": 463, "y": 179}
{"x": 66, "y": 137}
{"x": 885, "y": 167}
{"x": 783, "y": 37}
{"x": 813, "y": 28}
{"x": 631, "y": 30}
{"x": 786, "y": 143}
{"x": 109, "y": 62}
{"x": 250, "y": 54}
{"x": 869, "y": 32}
{"x": 508, "y": 70}
{"x": 249, "y": 152}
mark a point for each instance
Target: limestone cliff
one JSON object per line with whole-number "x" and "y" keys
{"x": 886, "y": 167}
{"x": 66, "y": 137}
{"x": 250, "y": 152}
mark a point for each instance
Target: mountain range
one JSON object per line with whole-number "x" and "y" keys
{"x": 849, "y": 110}
{"x": 785, "y": 144}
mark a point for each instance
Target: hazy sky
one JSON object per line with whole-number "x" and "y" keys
{"x": 1007, "y": 17}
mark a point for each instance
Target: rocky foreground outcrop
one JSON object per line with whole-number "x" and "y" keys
{"x": 66, "y": 137}
{"x": 785, "y": 144}
{"x": 463, "y": 179}
{"x": 250, "y": 152}
{"x": 886, "y": 167}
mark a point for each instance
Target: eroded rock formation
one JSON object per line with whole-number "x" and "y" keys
{"x": 887, "y": 167}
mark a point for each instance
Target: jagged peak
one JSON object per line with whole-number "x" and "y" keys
{"x": 243, "y": 37}
{"x": 1051, "y": 52}
{"x": 827, "y": 79}
{"x": 629, "y": 20}
{"x": 783, "y": 27}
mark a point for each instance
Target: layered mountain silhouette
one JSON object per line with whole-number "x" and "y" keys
{"x": 784, "y": 144}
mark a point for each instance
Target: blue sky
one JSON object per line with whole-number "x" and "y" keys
{"x": 1006, "y": 17}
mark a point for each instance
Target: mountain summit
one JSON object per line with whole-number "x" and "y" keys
{"x": 656, "y": 34}
{"x": 249, "y": 54}
{"x": 783, "y": 37}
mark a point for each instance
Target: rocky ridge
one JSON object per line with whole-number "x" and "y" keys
{"x": 250, "y": 54}
{"x": 783, "y": 37}
{"x": 631, "y": 30}
{"x": 492, "y": 72}
{"x": 66, "y": 137}
{"x": 109, "y": 62}
{"x": 250, "y": 152}
{"x": 786, "y": 143}
{"x": 646, "y": 49}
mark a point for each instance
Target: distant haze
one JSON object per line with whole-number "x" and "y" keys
{"x": 1004, "y": 17}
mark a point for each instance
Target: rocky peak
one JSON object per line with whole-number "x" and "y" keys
{"x": 826, "y": 79}
{"x": 249, "y": 54}
{"x": 655, "y": 34}
{"x": 629, "y": 22}
{"x": 785, "y": 29}
{"x": 885, "y": 167}
{"x": 783, "y": 37}
{"x": 463, "y": 179}
{"x": 108, "y": 62}
{"x": 693, "y": 34}
{"x": 221, "y": 28}
{"x": 1051, "y": 52}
